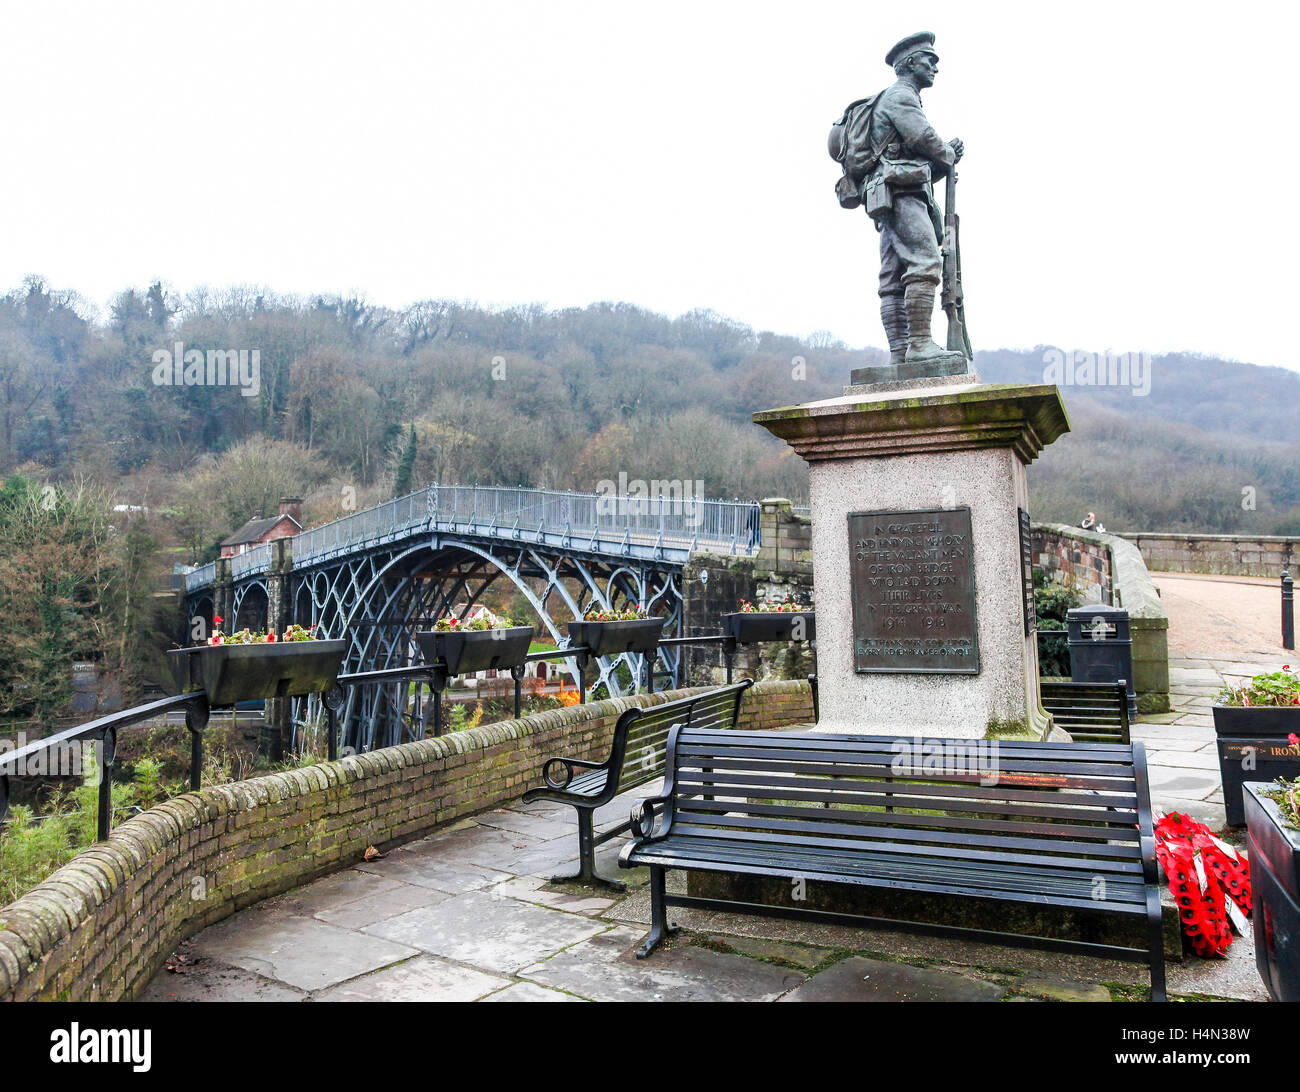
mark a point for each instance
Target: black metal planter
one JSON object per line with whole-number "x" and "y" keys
{"x": 1253, "y": 746}
{"x": 475, "y": 650}
{"x": 282, "y": 669}
{"x": 756, "y": 627}
{"x": 1275, "y": 888}
{"x": 614, "y": 638}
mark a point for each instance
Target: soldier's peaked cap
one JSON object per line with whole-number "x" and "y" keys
{"x": 913, "y": 43}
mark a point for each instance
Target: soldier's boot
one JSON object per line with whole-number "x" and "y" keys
{"x": 893, "y": 314}
{"x": 921, "y": 348}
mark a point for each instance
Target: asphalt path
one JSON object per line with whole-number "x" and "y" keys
{"x": 1227, "y": 616}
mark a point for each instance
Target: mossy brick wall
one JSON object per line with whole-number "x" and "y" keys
{"x": 1068, "y": 558}
{"x": 100, "y": 927}
{"x": 1231, "y": 555}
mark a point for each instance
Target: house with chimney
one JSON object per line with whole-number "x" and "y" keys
{"x": 257, "y": 531}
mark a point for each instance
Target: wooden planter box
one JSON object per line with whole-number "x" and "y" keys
{"x": 1252, "y": 744}
{"x": 614, "y": 638}
{"x": 1275, "y": 889}
{"x": 756, "y": 627}
{"x": 473, "y": 650}
{"x": 283, "y": 669}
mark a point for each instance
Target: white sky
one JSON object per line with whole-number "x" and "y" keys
{"x": 1128, "y": 181}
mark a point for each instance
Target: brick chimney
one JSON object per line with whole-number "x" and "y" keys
{"x": 291, "y": 506}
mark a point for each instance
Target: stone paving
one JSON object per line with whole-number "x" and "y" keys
{"x": 1181, "y": 751}
{"x": 469, "y": 915}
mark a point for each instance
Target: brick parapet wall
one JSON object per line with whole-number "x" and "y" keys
{"x": 100, "y": 927}
{"x": 1083, "y": 559}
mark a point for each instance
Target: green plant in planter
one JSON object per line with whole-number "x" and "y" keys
{"x": 1052, "y": 604}
{"x": 1272, "y": 690}
{"x": 633, "y": 613}
{"x": 1287, "y": 794}
{"x": 480, "y": 620}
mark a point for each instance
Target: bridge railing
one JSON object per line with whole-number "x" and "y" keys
{"x": 672, "y": 520}
{"x": 201, "y": 577}
{"x": 256, "y": 560}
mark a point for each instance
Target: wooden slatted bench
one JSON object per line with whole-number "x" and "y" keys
{"x": 1090, "y": 712}
{"x": 636, "y": 756}
{"x": 1061, "y": 825}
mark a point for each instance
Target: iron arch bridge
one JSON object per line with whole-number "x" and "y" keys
{"x": 377, "y": 576}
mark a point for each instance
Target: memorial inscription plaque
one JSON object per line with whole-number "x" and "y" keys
{"x": 912, "y": 581}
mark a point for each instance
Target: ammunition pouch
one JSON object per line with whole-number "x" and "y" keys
{"x": 877, "y": 197}
{"x": 905, "y": 173}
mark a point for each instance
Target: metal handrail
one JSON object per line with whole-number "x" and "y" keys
{"x": 104, "y": 730}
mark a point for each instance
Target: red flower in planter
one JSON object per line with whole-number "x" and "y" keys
{"x": 1294, "y": 740}
{"x": 270, "y": 637}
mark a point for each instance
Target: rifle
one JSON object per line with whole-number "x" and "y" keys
{"x": 954, "y": 302}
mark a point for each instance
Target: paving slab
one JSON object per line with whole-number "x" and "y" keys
{"x": 1182, "y": 759}
{"x": 528, "y": 991}
{"x": 329, "y": 893}
{"x": 800, "y": 955}
{"x": 215, "y": 980}
{"x": 1166, "y": 743}
{"x": 573, "y": 898}
{"x": 1171, "y": 781}
{"x": 541, "y": 827}
{"x": 479, "y": 845}
{"x": 861, "y": 979}
{"x": 382, "y": 905}
{"x": 423, "y": 978}
{"x": 1060, "y": 989}
{"x": 497, "y": 934}
{"x": 1208, "y": 811}
{"x": 1194, "y": 676}
{"x": 605, "y": 968}
{"x": 426, "y": 869}
{"x": 301, "y": 952}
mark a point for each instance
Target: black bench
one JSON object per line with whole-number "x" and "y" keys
{"x": 635, "y": 757}
{"x": 1064, "y": 825}
{"x": 1090, "y": 712}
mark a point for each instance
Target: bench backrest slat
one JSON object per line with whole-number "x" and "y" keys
{"x": 1055, "y": 805}
{"x": 641, "y": 735}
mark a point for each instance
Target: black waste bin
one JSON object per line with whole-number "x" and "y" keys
{"x": 1101, "y": 647}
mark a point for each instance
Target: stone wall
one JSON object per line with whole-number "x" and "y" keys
{"x": 1231, "y": 555}
{"x": 784, "y": 565}
{"x": 100, "y": 927}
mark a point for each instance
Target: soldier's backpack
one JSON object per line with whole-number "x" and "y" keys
{"x": 849, "y": 144}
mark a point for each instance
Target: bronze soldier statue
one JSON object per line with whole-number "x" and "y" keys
{"x": 892, "y": 157}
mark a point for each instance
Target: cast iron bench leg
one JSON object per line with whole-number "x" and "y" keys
{"x": 1155, "y": 923}
{"x": 659, "y": 927}
{"x": 587, "y": 874}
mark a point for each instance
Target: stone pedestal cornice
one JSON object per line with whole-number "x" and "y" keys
{"x": 1023, "y": 418}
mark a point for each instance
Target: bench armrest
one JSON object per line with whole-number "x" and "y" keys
{"x": 552, "y": 776}
{"x": 644, "y": 814}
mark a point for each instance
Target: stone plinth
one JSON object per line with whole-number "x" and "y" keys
{"x": 963, "y": 445}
